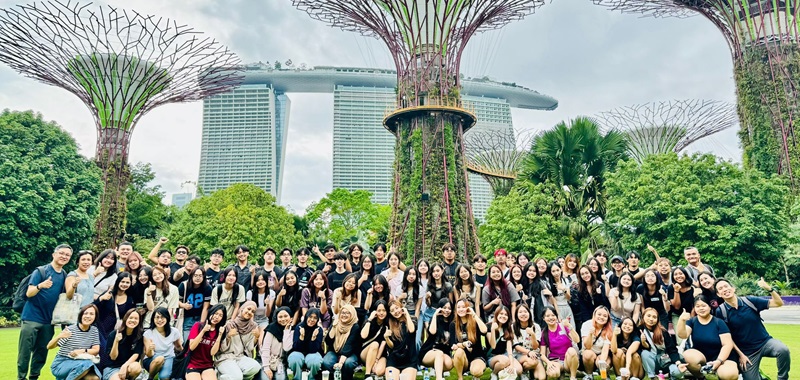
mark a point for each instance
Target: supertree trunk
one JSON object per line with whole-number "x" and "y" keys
{"x": 112, "y": 158}
{"x": 431, "y": 197}
{"x": 767, "y": 77}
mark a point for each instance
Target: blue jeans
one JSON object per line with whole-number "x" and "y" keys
{"x": 166, "y": 369}
{"x": 188, "y": 322}
{"x": 312, "y": 361}
{"x": 348, "y": 368}
{"x": 650, "y": 364}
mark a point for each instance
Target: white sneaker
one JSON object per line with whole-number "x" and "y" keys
{"x": 494, "y": 376}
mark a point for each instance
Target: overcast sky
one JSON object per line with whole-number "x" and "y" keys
{"x": 587, "y": 57}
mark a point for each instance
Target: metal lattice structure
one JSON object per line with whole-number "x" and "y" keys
{"x": 494, "y": 155}
{"x": 121, "y": 64}
{"x": 664, "y": 127}
{"x": 426, "y": 39}
{"x": 763, "y": 38}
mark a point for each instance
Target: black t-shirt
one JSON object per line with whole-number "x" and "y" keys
{"x": 126, "y": 348}
{"x": 303, "y": 275}
{"x": 335, "y": 279}
{"x": 481, "y": 279}
{"x": 450, "y": 271}
{"x": 654, "y": 301}
{"x": 381, "y": 266}
{"x": 634, "y": 273}
{"x": 212, "y": 276}
{"x": 195, "y": 297}
{"x": 330, "y": 267}
{"x": 687, "y": 300}
{"x": 355, "y": 266}
{"x": 273, "y": 275}
{"x": 173, "y": 267}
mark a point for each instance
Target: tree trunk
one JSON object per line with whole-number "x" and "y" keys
{"x": 431, "y": 204}
{"x": 112, "y": 158}
{"x": 767, "y": 79}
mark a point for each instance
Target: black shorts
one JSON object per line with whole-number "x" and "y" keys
{"x": 197, "y": 370}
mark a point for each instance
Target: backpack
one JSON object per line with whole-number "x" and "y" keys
{"x": 20, "y": 299}
{"x": 234, "y": 294}
{"x": 723, "y": 310}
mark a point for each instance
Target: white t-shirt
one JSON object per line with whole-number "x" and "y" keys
{"x": 586, "y": 329}
{"x": 225, "y": 298}
{"x": 165, "y": 345}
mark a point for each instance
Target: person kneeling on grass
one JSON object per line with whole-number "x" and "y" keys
{"x": 742, "y": 314}
{"x": 556, "y": 346}
{"x": 234, "y": 361}
{"x": 124, "y": 349}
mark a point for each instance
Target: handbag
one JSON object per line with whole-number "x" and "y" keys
{"x": 180, "y": 362}
{"x": 86, "y": 356}
{"x": 118, "y": 324}
{"x": 177, "y": 322}
{"x": 67, "y": 310}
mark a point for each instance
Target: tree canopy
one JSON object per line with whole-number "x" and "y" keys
{"x": 240, "y": 214}
{"x": 525, "y": 221}
{"x": 344, "y": 216}
{"x": 147, "y": 215}
{"x": 49, "y": 194}
{"x": 737, "y": 219}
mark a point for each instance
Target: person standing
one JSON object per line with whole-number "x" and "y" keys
{"x": 450, "y": 262}
{"x": 694, "y": 265}
{"x": 36, "y": 332}
{"x": 124, "y": 250}
{"x": 743, "y": 317}
{"x": 213, "y": 268}
{"x": 244, "y": 270}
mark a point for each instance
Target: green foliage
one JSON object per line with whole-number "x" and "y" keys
{"x": 240, "y": 214}
{"x": 345, "y": 217}
{"x": 767, "y": 102}
{"x": 736, "y": 218}
{"x": 48, "y": 195}
{"x": 146, "y": 213}
{"x": 791, "y": 256}
{"x": 525, "y": 221}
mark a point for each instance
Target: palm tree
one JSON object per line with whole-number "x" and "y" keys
{"x": 576, "y": 158}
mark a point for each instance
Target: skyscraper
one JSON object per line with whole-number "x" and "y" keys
{"x": 244, "y": 135}
{"x": 257, "y": 113}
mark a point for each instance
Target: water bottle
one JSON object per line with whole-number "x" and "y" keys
{"x": 661, "y": 375}
{"x": 603, "y": 367}
{"x": 280, "y": 373}
{"x": 390, "y": 375}
{"x": 337, "y": 375}
{"x": 426, "y": 374}
{"x": 706, "y": 369}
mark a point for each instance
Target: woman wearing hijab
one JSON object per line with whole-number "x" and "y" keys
{"x": 235, "y": 357}
{"x": 277, "y": 341}
{"x": 342, "y": 343}
{"x": 307, "y": 345}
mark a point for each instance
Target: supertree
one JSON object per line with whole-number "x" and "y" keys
{"x": 494, "y": 156}
{"x": 663, "y": 127}
{"x": 121, "y": 64}
{"x": 763, "y": 38}
{"x": 426, "y": 39}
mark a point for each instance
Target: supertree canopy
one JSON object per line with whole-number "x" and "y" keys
{"x": 426, "y": 39}
{"x": 763, "y": 37}
{"x": 664, "y": 127}
{"x": 494, "y": 156}
{"x": 121, "y": 64}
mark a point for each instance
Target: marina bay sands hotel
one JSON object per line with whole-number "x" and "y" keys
{"x": 245, "y": 130}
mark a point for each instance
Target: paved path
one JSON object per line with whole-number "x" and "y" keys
{"x": 782, "y": 315}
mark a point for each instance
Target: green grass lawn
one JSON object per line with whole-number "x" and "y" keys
{"x": 786, "y": 333}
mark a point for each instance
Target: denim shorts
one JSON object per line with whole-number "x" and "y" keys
{"x": 166, "y": 370}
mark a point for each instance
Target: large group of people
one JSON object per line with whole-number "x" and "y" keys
{"x": 521, "y": 317}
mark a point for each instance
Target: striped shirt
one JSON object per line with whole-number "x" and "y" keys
{"x": 79, "y": 340}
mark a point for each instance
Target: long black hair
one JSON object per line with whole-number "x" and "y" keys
{"x": 137, "y": 331}
{"x": 98, "y": 262}
{"x": 211, "y": 312}
{"x": 121, "y": 276}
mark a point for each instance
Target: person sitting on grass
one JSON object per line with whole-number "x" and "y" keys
{"x": 124, "y": 349}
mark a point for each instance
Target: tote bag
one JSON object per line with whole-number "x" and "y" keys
{"x": 66, "y": 311}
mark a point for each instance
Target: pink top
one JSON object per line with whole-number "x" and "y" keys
{"x": 560, "y": 342}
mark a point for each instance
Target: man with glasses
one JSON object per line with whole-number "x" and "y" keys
{"x": 213, "y": 267}
{"x": 286, "y": 260}
{"x": 43, "y": 291}
{"x": 182, "y": 274}
{"x": 602, "y": 258}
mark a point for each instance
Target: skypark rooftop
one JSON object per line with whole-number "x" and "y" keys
{"x": 323, "y": 79}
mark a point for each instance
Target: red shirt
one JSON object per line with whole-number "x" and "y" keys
{"x": 201, "y": 356}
